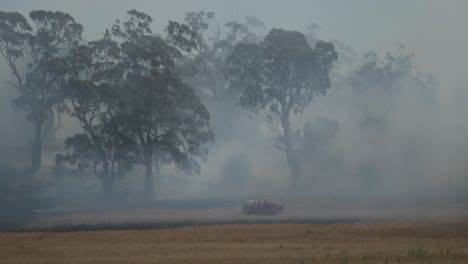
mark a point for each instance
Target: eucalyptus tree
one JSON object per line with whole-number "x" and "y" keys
{"x": 29, "y": 52}
{"x": 91, "y": 75}
{"x": 280, "y": 76}
{"x": 165, "y": 116}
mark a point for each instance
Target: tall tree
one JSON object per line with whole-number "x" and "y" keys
{"x": 92, "y": 77}
{"x": 281, "y": 75}
{"x": 29, "y": 52}
{"x": 164, "y": 114}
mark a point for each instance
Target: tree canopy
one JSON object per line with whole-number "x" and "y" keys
{"x": 131, "y": 103}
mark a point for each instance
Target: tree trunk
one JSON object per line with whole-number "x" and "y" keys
{"x": 157, "y": 179}
{"x": 149, "y": 177}
{"x": 107, "y": 183}
{"x": 36, "y": 159}
{"x": 293, "y": 161}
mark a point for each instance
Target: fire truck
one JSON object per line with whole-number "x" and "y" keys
{"x": 262, "y": 207}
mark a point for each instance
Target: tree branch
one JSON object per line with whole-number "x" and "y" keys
{"x": 12, "y": 84}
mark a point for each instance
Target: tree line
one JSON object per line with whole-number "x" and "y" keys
{"x": 143, "y": 98}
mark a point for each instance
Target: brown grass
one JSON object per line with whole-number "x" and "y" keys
{"x": 285, "y": 243}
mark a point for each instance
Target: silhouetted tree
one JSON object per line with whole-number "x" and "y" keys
{"x": 92, "y": 77}
{"x": 281, "y": 75}
{"x": 29, "y": 52}
{"x": 165, "y": 116}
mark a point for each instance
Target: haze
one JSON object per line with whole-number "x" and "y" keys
{"x": 420, "y": 153}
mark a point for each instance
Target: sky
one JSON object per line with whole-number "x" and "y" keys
{"x": 437, "y": 31}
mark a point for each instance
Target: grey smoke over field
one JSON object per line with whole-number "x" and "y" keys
{"x": 364, "y": 145}
{"x": 414, "y": 147}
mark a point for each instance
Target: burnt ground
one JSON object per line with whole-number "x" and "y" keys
{"x": 185, "y": 213}
{"x": 217, "y": 232}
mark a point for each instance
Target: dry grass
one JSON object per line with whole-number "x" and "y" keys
{"x": 285, "y": 243}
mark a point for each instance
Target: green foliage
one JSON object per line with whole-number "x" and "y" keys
{"x": 160, "y": 109}
{"x": 138, "y": 24}
{"x": 280, "y": 75}
{"x": 91, "y": 76}
{"x": 15, "y": 31}
{"x": 54, "y": 34}
{"x": 131, "y": 102}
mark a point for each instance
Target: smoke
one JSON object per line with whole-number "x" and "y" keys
{"x": 15, "y": 130}
{"x": 403, "y": 146}
{"x": 409, "y": 147}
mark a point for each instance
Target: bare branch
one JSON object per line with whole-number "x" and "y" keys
{"x": 12, "y": 84}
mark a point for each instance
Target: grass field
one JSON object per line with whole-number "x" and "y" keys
{"x": 436, "y": 242}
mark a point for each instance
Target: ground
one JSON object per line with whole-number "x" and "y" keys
{"x": 435, "y": 242}
{"x": 321, "y": 233}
